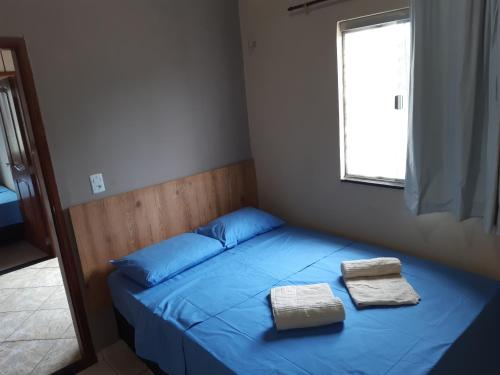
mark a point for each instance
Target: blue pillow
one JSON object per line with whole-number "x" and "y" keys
{"x": 239, "y": 226}
{"x": 164, "y": 260}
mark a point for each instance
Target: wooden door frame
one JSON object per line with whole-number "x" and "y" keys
{"x": 70, "y": 265}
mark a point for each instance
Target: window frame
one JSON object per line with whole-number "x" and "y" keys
{"x": 396, "y": 16}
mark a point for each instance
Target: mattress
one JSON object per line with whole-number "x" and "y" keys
{"x": 215, "y": 317}
{"x": 10, "y": 211}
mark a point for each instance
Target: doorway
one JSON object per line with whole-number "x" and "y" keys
{"x": 43, "y": 326}
{"x": 24, "y": 236}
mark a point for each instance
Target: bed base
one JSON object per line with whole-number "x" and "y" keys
{"x": 127, "y": 333}
{"x": 477, "y": 350}
{"x": 11, "y": 233}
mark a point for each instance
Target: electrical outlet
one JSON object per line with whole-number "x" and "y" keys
{"x": 97, "y": 183}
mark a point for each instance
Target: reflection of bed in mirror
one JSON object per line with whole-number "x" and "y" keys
{"x": 11, "y": 220}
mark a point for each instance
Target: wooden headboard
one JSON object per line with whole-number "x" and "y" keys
{"x": 116, "y": 226}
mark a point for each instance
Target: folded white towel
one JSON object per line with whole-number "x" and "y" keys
{"x": 305, "y": 306}
{"x": 388, "y": 290}
{"x": 376, "y": 282}
{"x": 370, "y": 267}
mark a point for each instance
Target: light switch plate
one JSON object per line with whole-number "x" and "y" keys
{"x": 97, "y": 183}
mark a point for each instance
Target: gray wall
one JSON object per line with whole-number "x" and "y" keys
{"x": 291, "y": 82}
{"x": 142, "y": 91}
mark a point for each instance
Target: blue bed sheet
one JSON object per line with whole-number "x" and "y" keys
{"x": 10, "y": 211}
{"x": 215, "y": 318}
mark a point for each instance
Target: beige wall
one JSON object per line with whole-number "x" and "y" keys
{"x": 291, "y": 83}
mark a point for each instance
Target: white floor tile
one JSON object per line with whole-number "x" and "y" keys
{"x": 21, "y": 357}
{"x": 18, "y": 279}
{"x": 4, "y": 294}
{"x": 27, "y": 299}
{"x": 57, "y": 300}
{"x": 49, "y": 277}
{"x": 36, "y": 328}
{"x": 31, "y": 278}
{"x": 51, "y": 263}
{"x": 11, "y": 321}
{"x": 43, "y": 325}
{"x": 70, "y": 332}
{"x": 63, "y": 353}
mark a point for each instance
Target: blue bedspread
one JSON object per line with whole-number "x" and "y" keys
{"x": 215, "y": 318}
{"x": 10, "y": 212}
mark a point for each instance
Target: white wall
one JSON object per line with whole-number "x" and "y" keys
{"x": 291, "y": 83}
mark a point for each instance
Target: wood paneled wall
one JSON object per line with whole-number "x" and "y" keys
{"x": 116, "y": 226}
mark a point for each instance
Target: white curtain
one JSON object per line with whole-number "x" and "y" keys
{"x": 454, "y": 136}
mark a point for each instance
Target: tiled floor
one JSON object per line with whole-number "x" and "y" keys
{"x": 36, "y": 329}
{"x": 117, "y": 359}
{"x": 18, "y": 253}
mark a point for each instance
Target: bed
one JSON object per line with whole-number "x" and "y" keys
{"x": 11, "y": 220}
{"x": 215, "y": 318}
{"x": 10, "y": 211}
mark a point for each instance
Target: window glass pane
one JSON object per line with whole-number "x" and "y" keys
{"x": 376, "y": 70}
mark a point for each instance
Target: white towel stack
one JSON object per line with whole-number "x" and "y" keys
{"x": 305, "y": 306}
{"x": 378, "y": 281}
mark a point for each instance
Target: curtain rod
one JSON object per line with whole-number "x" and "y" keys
{"x": 310, "y": 3}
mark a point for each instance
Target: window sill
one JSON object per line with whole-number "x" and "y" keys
{"x": 381, "y": 183}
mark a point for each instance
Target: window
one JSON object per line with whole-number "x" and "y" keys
{"x": 374, "y": 76}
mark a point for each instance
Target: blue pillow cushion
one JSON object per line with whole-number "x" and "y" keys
{"x": 239, "y": 226}
{"x": 164, "y": 260}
